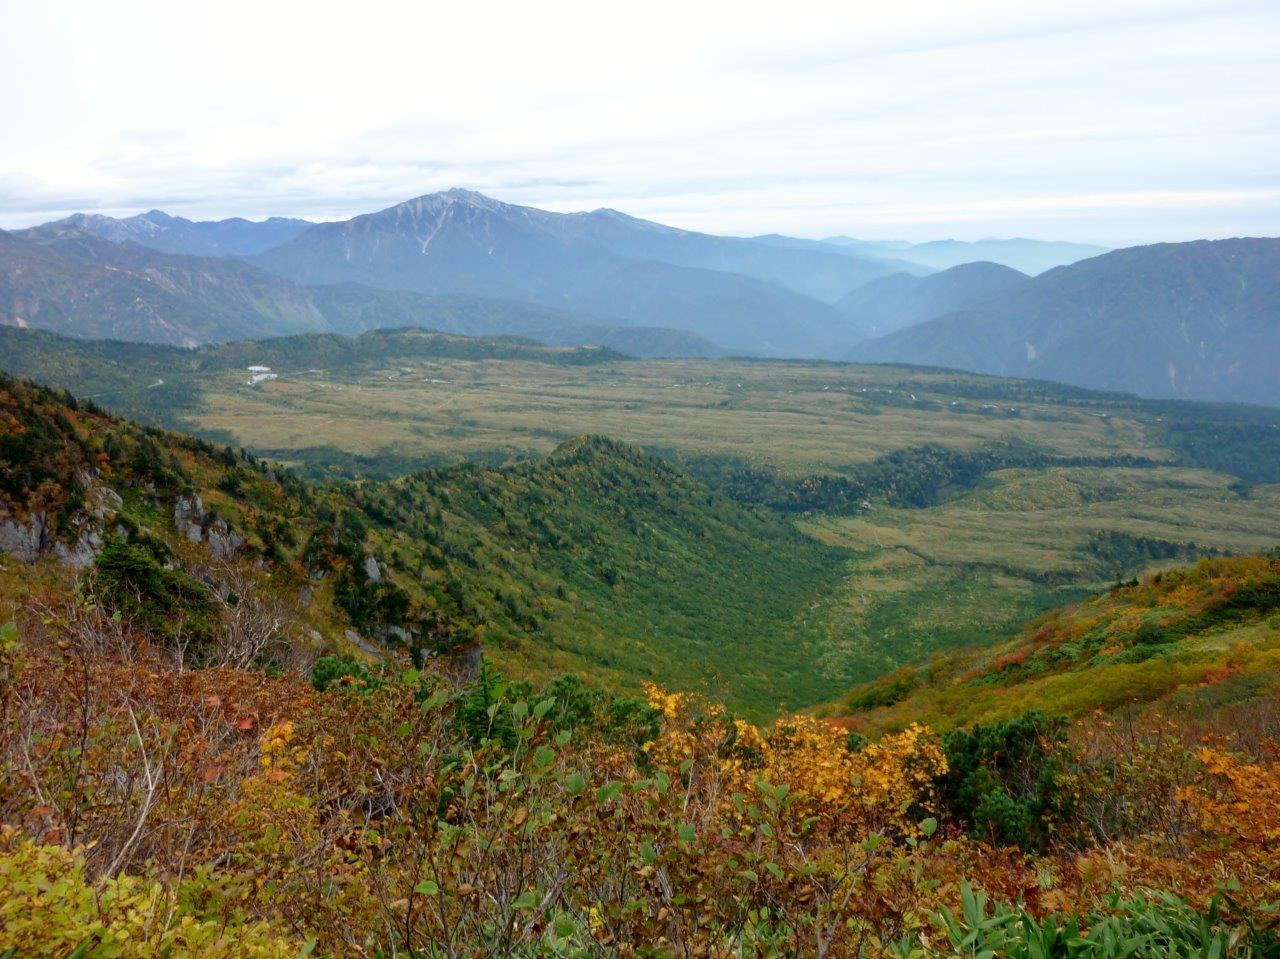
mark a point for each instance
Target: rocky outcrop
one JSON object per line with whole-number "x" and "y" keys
{"x": 188, "y": 517}
{"x": 362, "y": 644}
{"x": 25, "y": 540}
{"x": 76, "y": 545}
{"x": 224, "y": 542}
{"x": 193, "y": 524}
{"x": 392, "y": 634}
{"x": 82, "y": 552}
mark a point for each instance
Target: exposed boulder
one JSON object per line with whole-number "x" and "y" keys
{"x": 392, "y": 634}
{"x": 79, "y": 540}
{"x": 224, "y": 542}
{"x": 360, "y": 643}
{"x": 82, "y": 552}
{"x": 27, "y": 540}
{"x": 188, "y": 517}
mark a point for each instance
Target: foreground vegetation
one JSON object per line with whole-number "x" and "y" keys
{"x": 152, "y": 810}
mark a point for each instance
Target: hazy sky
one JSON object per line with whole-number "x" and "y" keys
{"x": 1115, "y": 121}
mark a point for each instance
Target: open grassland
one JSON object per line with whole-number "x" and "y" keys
{"x": 1024, "y": 522}
{"x": 800, "y": 418}
{"x": 1024, "y": 541}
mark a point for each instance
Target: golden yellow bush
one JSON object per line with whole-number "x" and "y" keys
{"x": 886, "y": 784}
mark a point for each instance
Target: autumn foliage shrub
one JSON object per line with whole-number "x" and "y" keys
{"x": 413, "y": 815}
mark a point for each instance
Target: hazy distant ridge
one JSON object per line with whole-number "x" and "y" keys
{"x": 1196, "y": 320}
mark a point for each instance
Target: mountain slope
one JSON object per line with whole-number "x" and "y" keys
{"x": 599, "y": 556}
{"x": 69, "y": 281}
{"x": 597, "y": 559}
{"x": 175, "y": 234}
{"x": 901, "y": 300}
{"x": 455, "y": 242}
{"x": 1197, "y": 637}
{"x": 464, "y": 243}
{"x": 814, "y": 271}
{"x": 414, "y": 244}
{"x": 737, "y": 313}
{"x": 1196, "y": 320}
{"x": 61, "y": 278}
{"x": 354, "y": 309}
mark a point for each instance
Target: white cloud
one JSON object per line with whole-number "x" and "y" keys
{"x": 916, "y": 119}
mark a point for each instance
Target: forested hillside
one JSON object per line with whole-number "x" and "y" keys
{"x": 597, "y": 559}
{"x": 334, "y": 807}
{"x": 259, "y": 717}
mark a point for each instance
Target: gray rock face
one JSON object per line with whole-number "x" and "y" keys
{"x": 392, "y": 634}
{"x": 34, "y": 537}
{"x": 191, "y": 521}
{"x": 105, "y": 502}
{"x": 360, "y": 643}
{"x": 224, "y": 542}
{"x": 82, "y": 552}
{"x": 25, "y": 541}
{"x": 188, "y": 517}
{"x": 372, "y": 569}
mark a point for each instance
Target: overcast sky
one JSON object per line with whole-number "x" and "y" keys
{"x": 1117, "y": 122}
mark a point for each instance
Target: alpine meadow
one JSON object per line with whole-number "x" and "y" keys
{"x": 813, "y": 493}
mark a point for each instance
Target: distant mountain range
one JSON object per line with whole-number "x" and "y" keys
{"x": 1197, "y": 320}
{"x": 1025, "y": 256}
{"x": 353, "y": 309}
{"x": 740, "y": 294}
{"x": 893, "y": 302}
{"x": 59, "y": 277}
{"x": 174, "y": 234}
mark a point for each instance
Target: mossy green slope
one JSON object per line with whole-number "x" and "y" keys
{"x": 1193, "y": 638}
{"x": 600, "y": 556}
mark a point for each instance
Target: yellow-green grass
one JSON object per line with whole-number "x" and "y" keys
{"x": 1039, "y": 522}
{"x": 801, "y": 418}
{"x": 1192, "y": 674}
{"x": 973, "y": 568}
{"x": 1195, "y": 637}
